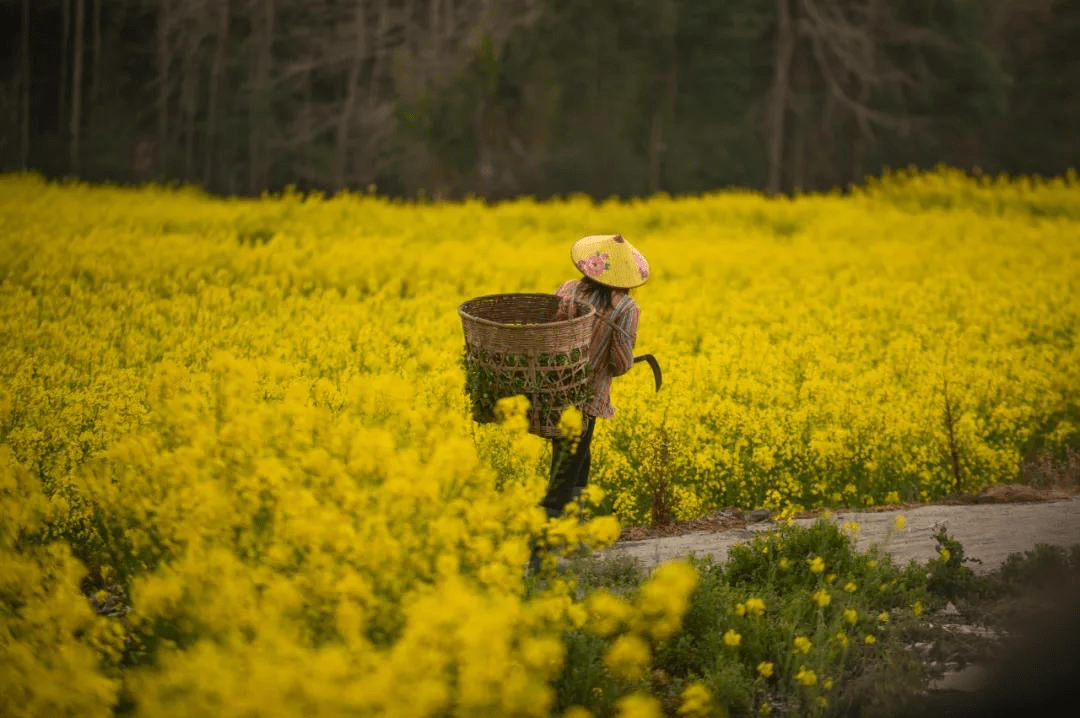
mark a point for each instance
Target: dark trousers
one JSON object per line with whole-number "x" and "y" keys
{"x": 569, "y": 469}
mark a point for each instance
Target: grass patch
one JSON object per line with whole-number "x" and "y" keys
{"x": 798, "y": 622}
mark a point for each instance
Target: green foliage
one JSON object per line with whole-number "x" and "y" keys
{"x": 948, "y": 577}
{"x": 1045, "y": 565}
{"x": 552, "y": 382}
{"x": 825, "y": 622}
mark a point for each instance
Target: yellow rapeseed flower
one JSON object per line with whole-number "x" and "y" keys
{"x": 851, "y": 615}
{"x": 570, "y": 423}
{"x": 696, "y": 701}
{"x": 755, "y": 606}
{"x": 803, "y": 644}
{"x": 627, "y": 657}
{"x": 817, "y": 564}
{"x": 850, "y": 587}
{"x": 870, "y": 639}
{"x": 732, "y": 637}
{"x": 638, "y": 705}
{"x": 822, "y": 598}
{"x": 765, "y": 668}
{"x": 806, "y": 676}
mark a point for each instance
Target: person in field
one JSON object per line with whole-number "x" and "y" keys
{"x": 610, "y": 267}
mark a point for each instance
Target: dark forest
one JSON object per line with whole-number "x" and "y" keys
{"x": 451, "y": 98}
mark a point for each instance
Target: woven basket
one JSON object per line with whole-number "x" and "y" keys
{"x": 514, "y": 345}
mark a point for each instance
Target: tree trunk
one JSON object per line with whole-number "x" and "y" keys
{"x": 76, "y": 85}
{"x": 163, "y": 60}
{"x": 216, "y": 68}
{"x": 188, "y": 86}
{"x": 348, "y": 106}
{"x": 65, "y": 39}
{"x": 778, "y": 95}
{"x": 379, "y": 51}
{"x": 194, "y": 29}
{"x": 95, "y": 68}
{"x": 307, "y": 129}
{"x": 671, "y": 28}
{"x": 260, "y": 100}
{"x": 24, "y": 120}
{"x": 656, "y": 141}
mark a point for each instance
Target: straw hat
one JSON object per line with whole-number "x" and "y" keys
{"x": 610, "y": 260}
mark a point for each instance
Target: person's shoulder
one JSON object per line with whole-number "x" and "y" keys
{"x": 627, "y": 303}
{"x": 567, "y": 287}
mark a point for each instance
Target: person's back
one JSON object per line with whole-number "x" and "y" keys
{"x": 611, "y": 350}
{"x": 611, "y": 267}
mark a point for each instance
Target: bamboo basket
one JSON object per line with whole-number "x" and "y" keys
{"x": 514, "y": 345}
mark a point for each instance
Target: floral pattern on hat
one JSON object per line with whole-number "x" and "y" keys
{"x": 595, "y": 265}
{"x": 611, "y": 260}
{"x": 642, "y": 266}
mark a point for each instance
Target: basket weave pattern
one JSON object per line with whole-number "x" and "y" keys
{"x": 514, "y": 345}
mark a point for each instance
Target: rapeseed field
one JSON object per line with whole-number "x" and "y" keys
{"x": 238, "y": 474}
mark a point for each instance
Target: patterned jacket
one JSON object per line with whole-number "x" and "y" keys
{"x": 611, "y": 351}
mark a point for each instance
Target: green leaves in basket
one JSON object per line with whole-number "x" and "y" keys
{"x": 555, "y": 381}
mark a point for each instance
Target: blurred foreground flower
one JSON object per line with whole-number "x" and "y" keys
{"x": 512, "y": 412}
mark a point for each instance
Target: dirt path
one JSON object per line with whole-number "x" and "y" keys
{"x": 989, "y": 532}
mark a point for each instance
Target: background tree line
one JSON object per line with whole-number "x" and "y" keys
{"x": 508, "y": 97}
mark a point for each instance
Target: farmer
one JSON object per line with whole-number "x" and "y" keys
{"x": 611, "y": 267}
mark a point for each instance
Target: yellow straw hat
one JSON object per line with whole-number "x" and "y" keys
{"x": 610, "y": 260}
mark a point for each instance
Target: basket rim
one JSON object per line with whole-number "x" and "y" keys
{"x": 480, "y": 320}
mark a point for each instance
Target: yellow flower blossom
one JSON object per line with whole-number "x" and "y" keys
{"x": 732, "y": 637}
{"x": 822, "y": 598}
{"x": 627, "y": 657}
{"x": 696, "y": 701}
{"x": 803, "y": 644}
{"x": 850, "y": 587}
{"x": 817, "y": 564}
{"x": 765, "y": 668}
{"x": 806, "y": 676}
{"x": 851, "y": 615}
{"x": 638, "y": 705}
{"x": 870, "y": 639}
{"x": 755, "y": 606}
{"x": 570, "y": 423}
